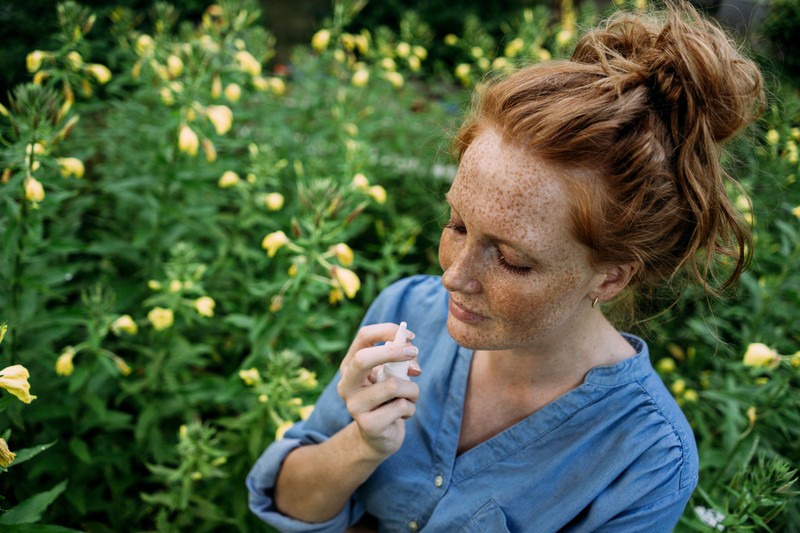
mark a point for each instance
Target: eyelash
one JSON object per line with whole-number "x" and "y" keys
{"x": 501, "y": 260}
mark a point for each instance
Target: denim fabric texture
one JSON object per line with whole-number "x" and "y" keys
{"x": 614, "y": 454}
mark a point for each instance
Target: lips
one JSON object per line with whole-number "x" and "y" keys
{"x": 463, "y": 314}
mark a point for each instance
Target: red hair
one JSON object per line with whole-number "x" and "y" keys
{"x": 636, "y": 119}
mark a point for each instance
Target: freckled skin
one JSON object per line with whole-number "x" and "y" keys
{"x": 501, "y": 192}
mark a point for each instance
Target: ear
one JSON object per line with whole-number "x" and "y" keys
{"x": 613, "y": 280}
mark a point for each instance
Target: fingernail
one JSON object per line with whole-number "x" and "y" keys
{"x": 415, "y": 365}
{"x": 410, "y": 350}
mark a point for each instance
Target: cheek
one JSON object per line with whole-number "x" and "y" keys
{"x": 445, "y": 250}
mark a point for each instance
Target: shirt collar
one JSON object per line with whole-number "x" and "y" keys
{"x": 629, "y": 370}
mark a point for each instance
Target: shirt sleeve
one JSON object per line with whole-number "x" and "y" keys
{"x": 660, "y": 516}
{"x": 329, "y": 416}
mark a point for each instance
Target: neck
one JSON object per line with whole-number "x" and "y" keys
{"x": 559, "y": 363}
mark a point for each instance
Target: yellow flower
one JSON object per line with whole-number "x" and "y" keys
{"x": 144, "y": 45}
{"x": 306, "y": 411}
{"x": 228, "y": 179}
{"x": 795, "y": 360}
{"x": 124, "y": 324}
{"x": 462, "y": 71}
{"x": 377, "y": 193}
{"x": 476, "y": 52}
{"x": 161, "y": 318}
{"x": 74, "y": 59}
{"x": 320, "y": 40}
{"x": 122, "y": 366}
{"x": 292, "y": 271}
{"x": 414, "y": 63}
{"x": 796, "y": 211}
{"x": 34, "y": 60}
{"x": 221, "y": 117}
{"x": 347, "y": 280}
{"x": 751, "y": 415}
{"x": 4, "y": 110}
{"x": 759, "y": 354}
{"x": 666, "y": 365}
{"x": 307, "y": 379}
{"x": 343, "y": 253}
{"x": 216, "y": 87}
{"x": 3, "y": 330}
{"x": 154, "y": 285}
{"x": 71, "y": 166}
{"x": 64, "y": 364}
{"x": 187, "y": 140}
{"x": 282, "y": 429}
{"x": 773, "y": 137}
{"x": 205, "y": 306}
{"x": 34, "y": 190}
{"x": 233, "y": 92}
{"x": 335, "y": 296}
{"x": 175, "y": 285}
{"x": 420, "y": 52}
{"x": 276, "y": 303}
{"x": 387, "y": 63}
{"x": 210, "y": 150}
{"x": 395, "y": 78}
{"x": 691, "y": 395}
{"x": 15, "y": 380}
{"x": 403, "y": 49}
{"x": 273, "y": 242}
{"x": 361, "y": 182}
{"x": 100, "y": 72}
{"x": 450, "y": 39}
{"x": 247, "y": 62}
{"x": 678, "y": 387}
{"x": 6, "y": 455}
{"x": 564, "y": 37}
{"x": 174, "y": 66}
{"x": 514, "y": 47}
{"x": 250, "y": 377}
{"x": 277, "y": 86}
{"x": 360, "y": 77}
{"x": 274, "y": 201}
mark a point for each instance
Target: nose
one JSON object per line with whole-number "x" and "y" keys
{"x": 459, "y": 274}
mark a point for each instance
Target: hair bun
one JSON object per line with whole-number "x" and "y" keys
{"x": 693, "y": 73}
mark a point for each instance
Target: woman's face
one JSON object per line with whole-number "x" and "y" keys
{"x": 516, "y": 276}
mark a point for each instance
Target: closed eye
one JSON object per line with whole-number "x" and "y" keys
{"x": 501, "y": 260}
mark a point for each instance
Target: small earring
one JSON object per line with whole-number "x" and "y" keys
{"x": 594, "y": 302}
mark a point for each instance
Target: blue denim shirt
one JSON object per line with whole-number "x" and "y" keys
{"x": 613, "y": 454}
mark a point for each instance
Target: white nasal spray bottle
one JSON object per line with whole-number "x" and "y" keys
{"x": 399, "y": 369}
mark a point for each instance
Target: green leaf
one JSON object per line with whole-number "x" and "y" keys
{"x": 27, "y": 453}
{"x": 31, "y": 509}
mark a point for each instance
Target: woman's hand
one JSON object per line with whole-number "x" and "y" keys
{"x": 378, "y": 408}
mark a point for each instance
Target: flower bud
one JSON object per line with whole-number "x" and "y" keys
{"x": 161, "y": 318}
{"x": 233, "y": 92}
{"x": 247, "y": 62}
{"x": 228, "y": 179}
{"x": 221, "y": 117}
{"x": 144, "y": 45}
{"x": 34, "y": 191}
{"x": 273, "y": 242}
{"x": 347, "y": 280}
{"x": 174, "y": 66}
{"x": 250, "y": 376}
{"x": 70, "y": 166}
{"x": 6, "y": 455}
{"x": 188, "y": 141}
{"x": 377, "y": 193}
{"x": 64, "y": 364}
{"x": 124, "y": 324}
{"x": 100, "y": 72}
{"x": 205, "y": 306}
{"x": 343, "y": 253}
{"x": 274, "y": 201}
{"x": 209, "y": 150}
{"x": 320, "y": 40}
{"x": 33, "y": 61}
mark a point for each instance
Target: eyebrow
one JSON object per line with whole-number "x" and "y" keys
{"x": 526, "y": 255}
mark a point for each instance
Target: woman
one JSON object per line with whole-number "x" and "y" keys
{"x": 578, "y": 181}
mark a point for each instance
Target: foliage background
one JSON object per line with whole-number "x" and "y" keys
{"x": 182, "y": 291}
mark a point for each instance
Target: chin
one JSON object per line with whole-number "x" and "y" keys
{"x": 468, "y": 336}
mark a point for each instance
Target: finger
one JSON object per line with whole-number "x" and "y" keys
{"x": 378, "y": 420}
{"x": 375, "y": 396}
{"x": 413, "y": 367}
{"x": 357, "y": 370}
{"x": 372, "y": 335}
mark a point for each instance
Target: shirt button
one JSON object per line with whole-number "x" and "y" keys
{"x": 413, "y": 525}
{"x": 438, "y": 481}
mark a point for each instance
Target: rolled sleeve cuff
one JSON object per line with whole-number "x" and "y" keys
{"x": 261, "y": 488}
